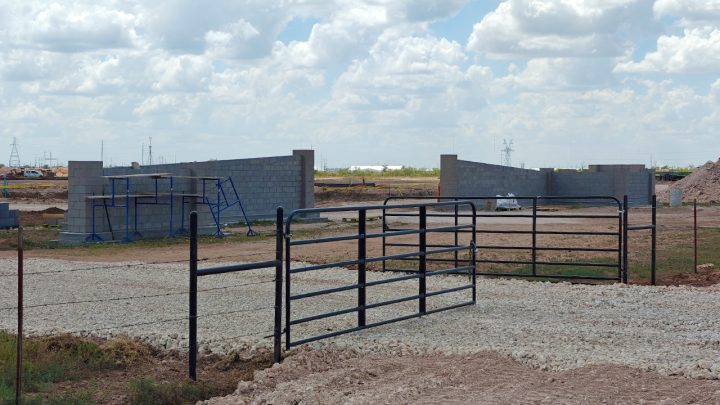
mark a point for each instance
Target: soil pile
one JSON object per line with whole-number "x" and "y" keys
{"x": 703, "y": 184}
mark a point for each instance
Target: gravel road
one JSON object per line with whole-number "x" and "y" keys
{"x": 671, "y": 330}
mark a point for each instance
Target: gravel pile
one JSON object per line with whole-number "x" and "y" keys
{"x": 702, "y": 184}
{"x": 671, "y": 330}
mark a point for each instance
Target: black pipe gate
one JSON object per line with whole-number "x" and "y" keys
{"x": 421, "y": 254}
{"x": 195, "y": 273}
{"x": 620, "y": 263}
{"x": 362, "y": 285}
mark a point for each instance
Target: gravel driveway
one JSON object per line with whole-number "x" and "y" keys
{"x": 672, "y": 330}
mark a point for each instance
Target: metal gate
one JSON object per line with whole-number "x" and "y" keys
{"x": 608, "y": 241}
{"x": 363, "y": 286}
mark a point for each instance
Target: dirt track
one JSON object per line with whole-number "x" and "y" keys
{"x": 313, "y": 376}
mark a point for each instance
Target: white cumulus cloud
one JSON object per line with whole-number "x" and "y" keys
{"x": 696, "y": 51}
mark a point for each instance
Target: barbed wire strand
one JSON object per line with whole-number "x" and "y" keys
{"x": 130, "y": 265}
{"x": 128, "y": 298}
{"x": 179, "y": 319}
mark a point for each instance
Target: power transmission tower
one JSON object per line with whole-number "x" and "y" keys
{"x": 14, "y": 155}
{"x": 507, "y": 151}
{"x": 149, "y": 159}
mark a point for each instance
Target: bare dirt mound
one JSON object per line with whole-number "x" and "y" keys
{"x": 329, "y": 376}
{"x": 703, "y": 184}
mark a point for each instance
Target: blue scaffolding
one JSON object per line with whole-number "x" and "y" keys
{"x": 124, "y": 200}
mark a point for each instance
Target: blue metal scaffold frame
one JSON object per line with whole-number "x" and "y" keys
{"x": 216, "y": 208}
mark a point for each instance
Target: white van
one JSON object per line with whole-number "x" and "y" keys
{"x": 32, "y": 174}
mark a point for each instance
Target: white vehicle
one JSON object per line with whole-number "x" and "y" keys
{"x": 507, "y": 203}
{"x": 32, "y": 174}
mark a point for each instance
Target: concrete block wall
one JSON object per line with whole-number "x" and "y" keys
{"x": 263, "y": 184}
{"x": 466, "y": 178}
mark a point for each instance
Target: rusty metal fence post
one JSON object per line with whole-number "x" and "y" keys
{"x": 422, "y": 263}
{"x": 18, "y": 363}
{"x": 695, "y": 236}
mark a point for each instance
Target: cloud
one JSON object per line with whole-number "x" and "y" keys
{"x": 564, "y": 28}
{"x": 696, "y": 51}
{"x": 235, "y": 28}
{"x": 692, "y": 10}
{"x": 74, "y": 28}
{"x": 180, "y": 73}
{"x": 564, "y": 74}
{"x": 402, "y": 72}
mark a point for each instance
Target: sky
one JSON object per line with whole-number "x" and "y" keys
{"x": 362, "y": 82}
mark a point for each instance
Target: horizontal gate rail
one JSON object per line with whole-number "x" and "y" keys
{"x": 533, "y": 248}
{"x": 423, "y": 254}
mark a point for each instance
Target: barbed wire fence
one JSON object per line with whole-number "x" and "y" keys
{"x": 26, "y": 278}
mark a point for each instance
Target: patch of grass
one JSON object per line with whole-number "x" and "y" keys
{"x": 48, "y": 360}
{"x": 147, "y": 391}
{"x": 63, "y": 399}
{"x": 679, "y": 257}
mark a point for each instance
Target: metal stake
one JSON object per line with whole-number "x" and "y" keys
{"x": 695, "y": 233}
{"x": 423, "y": 260}
{"x": 18, "y": 363}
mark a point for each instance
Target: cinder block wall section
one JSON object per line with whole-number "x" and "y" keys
{"x": 263, "y": 184}
{"x": 466, "y": 178}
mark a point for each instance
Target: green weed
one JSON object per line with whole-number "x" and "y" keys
{"x": 147, "y": 391}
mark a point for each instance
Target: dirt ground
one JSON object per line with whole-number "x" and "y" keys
{"x": 111, "y": 386}
{"x": 327, "y": 376}
{"x": 36, "y": 192}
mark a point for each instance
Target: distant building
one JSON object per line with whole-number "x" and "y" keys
{"x": 375, "y": 168}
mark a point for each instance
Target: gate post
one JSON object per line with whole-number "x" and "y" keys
{"x": 287, "y": 284}
{"x": 422, "y": 262}
{"x": 457, "y": 264}
{"x": 653, "y": 236}
{"x": 192, "y": 344}
{"x": 534, "y": 237}
{"x": 625, "y": 239}
{"x": 362, "y": 254}
{"x": 277, "y": 349}
{"x": 473, "y": 256}
{"x": 384, "y": 240}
